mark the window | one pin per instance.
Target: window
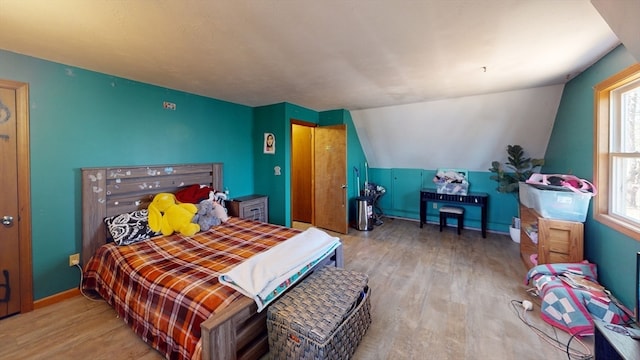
(617, 151)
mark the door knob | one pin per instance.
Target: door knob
(7, 220)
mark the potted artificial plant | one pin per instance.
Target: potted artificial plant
(509, 175)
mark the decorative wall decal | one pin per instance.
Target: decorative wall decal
(95, 177)
(5, 113)
(114, 174)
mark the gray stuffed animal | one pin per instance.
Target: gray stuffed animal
(206, 217)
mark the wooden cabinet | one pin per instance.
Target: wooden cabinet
(252, 207)
(554, 241)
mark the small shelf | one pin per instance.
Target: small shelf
(553, 241)
(532, 232)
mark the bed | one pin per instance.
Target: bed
(234, 329)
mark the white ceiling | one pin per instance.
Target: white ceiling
(328, 54)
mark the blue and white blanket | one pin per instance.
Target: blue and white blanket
(568, 308)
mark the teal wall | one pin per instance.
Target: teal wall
(80, 118)
(269, 119)
(570, 150)
(277, 119)
(402, 198)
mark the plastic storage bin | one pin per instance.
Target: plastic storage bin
(525, 194)
(559, 205)
(451, 181)
(452, 188)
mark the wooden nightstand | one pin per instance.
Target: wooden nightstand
(554, 241)
(252, 207)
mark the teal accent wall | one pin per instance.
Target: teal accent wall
(277, 119)
(570, 150)
(402, 197)
(270, 119)
(80, 118)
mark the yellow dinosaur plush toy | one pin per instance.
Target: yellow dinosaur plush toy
(166, 215)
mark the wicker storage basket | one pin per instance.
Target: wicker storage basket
(324, 317)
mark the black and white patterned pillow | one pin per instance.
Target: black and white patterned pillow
(129, 228)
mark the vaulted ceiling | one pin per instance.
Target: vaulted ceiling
(329, 54)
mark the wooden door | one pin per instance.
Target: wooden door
(330, 178)
(15, 226)
(302, 173)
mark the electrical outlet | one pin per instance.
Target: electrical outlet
(74, 259)
(435, 206)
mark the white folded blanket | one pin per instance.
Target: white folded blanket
(261, 274)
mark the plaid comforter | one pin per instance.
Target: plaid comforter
(165, 287)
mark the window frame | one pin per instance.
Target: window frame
(602, 158)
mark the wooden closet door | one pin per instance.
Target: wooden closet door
(15, 226)
(330, 178)
(302, 173)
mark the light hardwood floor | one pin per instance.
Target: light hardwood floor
(434, 296)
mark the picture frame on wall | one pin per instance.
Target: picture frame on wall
(269, 143)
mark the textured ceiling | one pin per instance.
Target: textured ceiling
(322, 55)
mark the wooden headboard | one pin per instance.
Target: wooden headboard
(116, 190)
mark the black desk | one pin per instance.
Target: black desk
(475, 199)
(613, 346)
